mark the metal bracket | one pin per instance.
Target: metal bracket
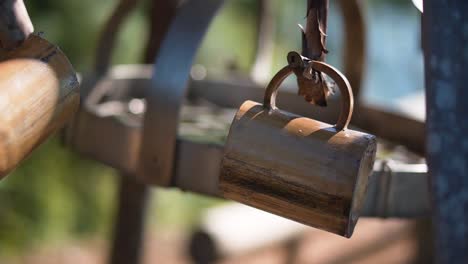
(398, 190)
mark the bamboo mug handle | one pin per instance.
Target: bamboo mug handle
(347, 99)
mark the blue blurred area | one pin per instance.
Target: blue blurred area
(395, 60)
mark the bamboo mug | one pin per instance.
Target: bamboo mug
(299, 168)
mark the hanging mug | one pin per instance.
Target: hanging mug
(296, 167)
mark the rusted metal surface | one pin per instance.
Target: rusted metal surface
(445, 38)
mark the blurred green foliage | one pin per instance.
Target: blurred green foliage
(56, 194)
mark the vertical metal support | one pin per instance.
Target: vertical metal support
(354, 25)
(160, 17)
(134, 196)
(445, 36)
(168, 89)
(108, 36)
(129, 226)
(265, 42)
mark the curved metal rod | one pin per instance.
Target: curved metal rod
(355, 42)
(269, 100)
(168, 89)
(108, 36)
(347, 100)
(265, 46)
(104, 51)
(160, 17)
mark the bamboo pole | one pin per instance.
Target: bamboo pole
(38, 94)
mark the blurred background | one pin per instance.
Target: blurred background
(59, 208)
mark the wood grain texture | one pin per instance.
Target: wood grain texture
(297, 167)
(311, 172)
(38, 94)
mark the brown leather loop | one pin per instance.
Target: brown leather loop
(347, 99)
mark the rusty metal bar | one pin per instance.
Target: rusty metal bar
(108, 36)
(355, 44)
(132, 196)
(129, 223)
(160, 16)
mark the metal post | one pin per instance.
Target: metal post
(445, 36)
(133, 195)
(130, 219)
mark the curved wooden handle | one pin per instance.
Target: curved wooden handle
(38, 94)
(347, 99)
